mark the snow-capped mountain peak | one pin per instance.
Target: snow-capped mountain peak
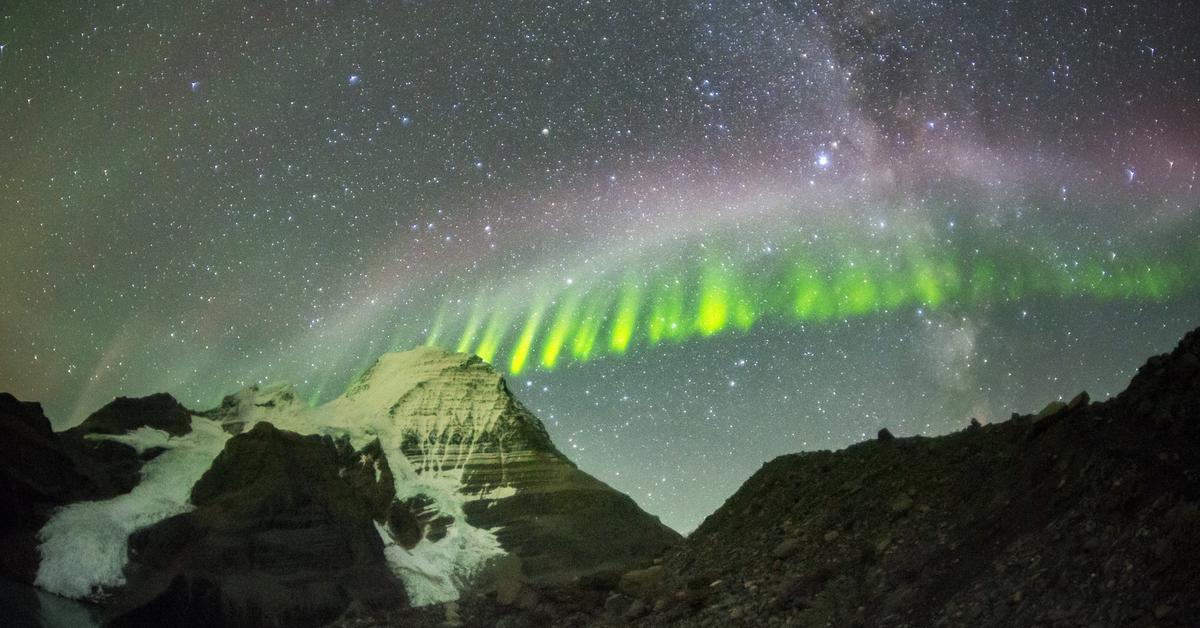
(427, 449)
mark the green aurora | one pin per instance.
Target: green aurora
(718, 293)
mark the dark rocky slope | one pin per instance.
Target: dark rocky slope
(1087, 514)
(36, 476)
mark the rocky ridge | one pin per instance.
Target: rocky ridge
(1084, 515)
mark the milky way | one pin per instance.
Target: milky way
(694, 235)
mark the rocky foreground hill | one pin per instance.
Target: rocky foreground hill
(1085, 514)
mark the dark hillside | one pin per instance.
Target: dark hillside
(1085, 514)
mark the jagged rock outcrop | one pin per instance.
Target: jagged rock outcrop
(42, 473)
(159, 411)
(41, 470)
(112, 467)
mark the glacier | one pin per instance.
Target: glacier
(84, 546)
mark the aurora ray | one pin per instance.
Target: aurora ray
(728, 296)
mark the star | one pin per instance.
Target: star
(860, 205)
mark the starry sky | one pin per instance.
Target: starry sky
(695, 235)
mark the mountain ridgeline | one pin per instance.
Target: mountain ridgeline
(427, 495)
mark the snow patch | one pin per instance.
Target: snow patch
(435, 571)
(85, 545)
(498, 492)
(141, 439)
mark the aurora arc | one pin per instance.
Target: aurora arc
(719, 293)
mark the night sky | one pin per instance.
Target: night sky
(697, 235)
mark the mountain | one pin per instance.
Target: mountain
(424, 479)
(1084, 514)
(426, 495)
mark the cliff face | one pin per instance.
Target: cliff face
(425, 479)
